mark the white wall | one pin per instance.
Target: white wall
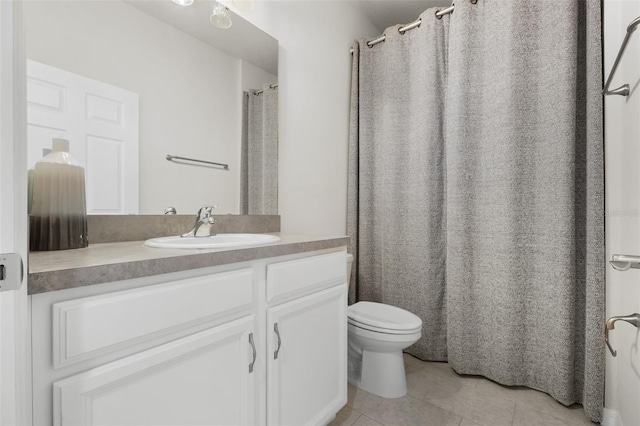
(254, 77)
(190, 99)
(622, 151)
(314, 67)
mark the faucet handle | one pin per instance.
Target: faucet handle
(205, 214)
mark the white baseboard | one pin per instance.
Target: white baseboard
(610, 418)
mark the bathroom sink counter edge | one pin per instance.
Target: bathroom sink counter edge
(108, 262)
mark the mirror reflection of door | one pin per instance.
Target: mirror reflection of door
(189, 77)
(101, 123)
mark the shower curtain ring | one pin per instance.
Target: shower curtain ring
(474, 1)
(438, 16)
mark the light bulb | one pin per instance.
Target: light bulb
(220, 17)
(183, 2)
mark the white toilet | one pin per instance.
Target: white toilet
(377, 335)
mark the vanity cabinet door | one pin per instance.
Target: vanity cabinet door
(201, 379)
(306, 358)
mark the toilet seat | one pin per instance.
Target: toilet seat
(382, 318)
(384, 339)
(382, 330)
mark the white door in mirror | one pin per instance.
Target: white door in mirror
(214, 241)
(101, 122)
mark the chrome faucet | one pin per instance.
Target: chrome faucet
(204, 217)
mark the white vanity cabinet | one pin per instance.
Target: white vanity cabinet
(306, 359)
(306, 362)
(197, 348)
(200, 379)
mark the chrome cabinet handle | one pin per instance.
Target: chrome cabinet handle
(275, 328)
(253, 348)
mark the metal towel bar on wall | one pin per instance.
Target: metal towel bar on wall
(624, 262)
(624, 89)
(633, 319)
(175, 157)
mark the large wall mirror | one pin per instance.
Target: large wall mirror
(129, 83)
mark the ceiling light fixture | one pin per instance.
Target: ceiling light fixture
(183, 2)
(244, 5)
(220, 16)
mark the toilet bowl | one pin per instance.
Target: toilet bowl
(377, 335)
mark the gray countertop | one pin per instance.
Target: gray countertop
(108, 262)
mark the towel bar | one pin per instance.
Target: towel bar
(624, 89)
(624, 262)
(633, 319)
(175, 157)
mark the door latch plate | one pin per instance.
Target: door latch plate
(11, 271)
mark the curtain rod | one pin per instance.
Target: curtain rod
(439, 14)
(271, 86)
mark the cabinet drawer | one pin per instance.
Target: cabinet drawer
(88, 327)
(303, 276)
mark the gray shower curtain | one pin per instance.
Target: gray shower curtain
(259, 153)
(520, 291)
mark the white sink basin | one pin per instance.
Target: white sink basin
(214, 241)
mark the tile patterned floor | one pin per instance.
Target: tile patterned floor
(439, 397)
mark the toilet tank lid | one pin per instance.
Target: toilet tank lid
(383, 316)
